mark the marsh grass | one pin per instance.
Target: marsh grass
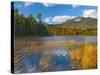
(84, 57)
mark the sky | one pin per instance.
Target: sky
(55, 13)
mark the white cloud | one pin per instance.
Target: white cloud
(61, 19)
(27, 4)
(75, 6)
(48, 19)
(58, 19)
(90, 13)
(48, 4)
(19, 6)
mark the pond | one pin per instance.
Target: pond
(43, 54)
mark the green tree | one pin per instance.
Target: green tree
(39, 17)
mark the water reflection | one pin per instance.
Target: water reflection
(42, 57)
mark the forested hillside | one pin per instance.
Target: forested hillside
(33, 26)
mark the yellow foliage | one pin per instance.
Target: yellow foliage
(84, 57)
(89, 58)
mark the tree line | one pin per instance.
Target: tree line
(24, 26)
(33, 26)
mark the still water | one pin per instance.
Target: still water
(40, 54)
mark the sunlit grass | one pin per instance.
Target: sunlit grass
(84, 57)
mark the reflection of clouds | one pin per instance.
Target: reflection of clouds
(60, 51)
(60, 62)
(64, 38)
(56, 51)
(70, 38)
(90, 39)
(75, 38)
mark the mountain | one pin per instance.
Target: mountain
(81, 22)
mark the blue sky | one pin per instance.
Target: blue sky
(55, 13)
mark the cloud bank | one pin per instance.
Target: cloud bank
(90, 13)
(58, 19)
